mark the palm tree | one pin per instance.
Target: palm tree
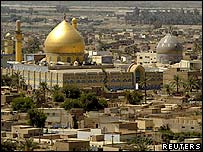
(191, 83)
(55, 89)
(44, 89)
(38, 98)
(140, 143)
(17, 80)
(28, 144)
(168, 89)
(176, 82)
(143, 84)
(167, 134)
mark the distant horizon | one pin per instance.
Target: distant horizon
(164, 4)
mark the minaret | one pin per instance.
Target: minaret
(18, 46)
(74, 23)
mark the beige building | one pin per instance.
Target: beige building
(185, 124)
(81, 77)
(179, 124)
(120, 127)
(184, 74)
(145, 124)
(71, 144)
(146, 58)
(24, 131)
(57, 117)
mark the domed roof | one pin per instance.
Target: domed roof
(64, 39)
(74, 20)
(169, 45)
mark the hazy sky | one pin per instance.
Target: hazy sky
(112, 3)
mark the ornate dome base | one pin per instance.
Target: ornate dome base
(65, 57)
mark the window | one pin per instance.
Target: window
(183, 126)
(192, 127)
(68, 59)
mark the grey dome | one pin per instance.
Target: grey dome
(169, 45)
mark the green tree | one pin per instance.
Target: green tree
(134, 97)
(176, 82)
(103, 103)
(36, 118)
(38, 98)
(71, 91)
(166, 133)
(190, 84)
(8, 145)
(17, 80)
(44, 89)
(168, 88)
(22, 104)
(140, 143)
(143, 84)
(72, 103)
(28, 144)
(58, 97)
(55, 89)
(90, 102)
(6, 80)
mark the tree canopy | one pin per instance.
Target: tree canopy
(89, 102)
(134, 97)
(22, 104)
(71, 91)
(36, 118)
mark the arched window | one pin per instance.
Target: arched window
(89, 81)
(137, 74)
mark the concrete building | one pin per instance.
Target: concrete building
(71, 144)
(146, 58)
(24, 131)
(168, 75)
(120, 127)
(191, 64)
(145, 124)
(57, 117)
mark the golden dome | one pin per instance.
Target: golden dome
(64, 39)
